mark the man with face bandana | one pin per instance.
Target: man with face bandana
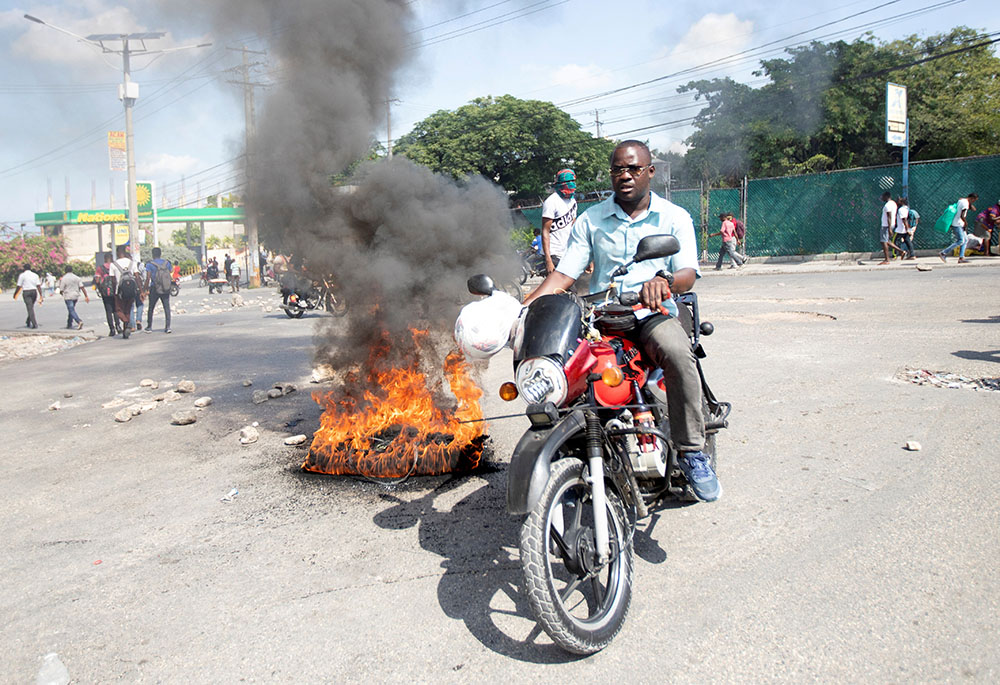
(558, 215)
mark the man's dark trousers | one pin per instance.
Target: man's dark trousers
(165, 299)
(30, 296)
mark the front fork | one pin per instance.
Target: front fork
(595, 459)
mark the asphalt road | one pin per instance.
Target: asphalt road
(835, 555)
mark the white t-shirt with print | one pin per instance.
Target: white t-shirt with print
(563, 214)
(903, 213)
(889, 208)
(962, 204)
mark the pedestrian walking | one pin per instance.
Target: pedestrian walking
(140, 299)
(71, 287)
(728, 233)
(558, 215)
(228, 264)
(888, 222)
(902, 228)
(741, 237)
(234, 277)
(29, 284)
(959, 228)
(123, 271)
(104, 282)
(159, 277)
(49, 284)
(989, 221)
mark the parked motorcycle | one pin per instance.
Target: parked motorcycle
(598, 453)
(300, 294)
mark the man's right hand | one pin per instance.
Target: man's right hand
(549, 265)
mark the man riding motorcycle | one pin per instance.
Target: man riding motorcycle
(607, 234)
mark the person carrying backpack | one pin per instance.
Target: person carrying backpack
(159, 277)
(104, 284)
(123, 271)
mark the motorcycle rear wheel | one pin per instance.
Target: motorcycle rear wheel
(297, 314)
(175, 290)
(580, 606)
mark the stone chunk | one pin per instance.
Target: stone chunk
(912, 446)
(925, 267)
(134, 409)
(123, 415)
(168, 396)
(183, 418)
(186, 386)
(285, 388)
(259, 396)
(147, 383)
(247, 383)
(295, 440)
(248, 435)
(273, 393)
(55, 406)
(203, 401)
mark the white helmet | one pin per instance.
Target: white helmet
(483, 327)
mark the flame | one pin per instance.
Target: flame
(397, 427)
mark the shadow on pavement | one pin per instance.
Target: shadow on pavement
(989, 356)
(477, 540)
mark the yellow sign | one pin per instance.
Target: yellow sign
(116, 150)
(121, 234)
(100, 217)
(144, 199)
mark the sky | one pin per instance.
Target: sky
(59, 96)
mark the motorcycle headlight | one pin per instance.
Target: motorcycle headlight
(541, 380)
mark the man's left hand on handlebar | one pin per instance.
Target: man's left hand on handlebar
(655, 292)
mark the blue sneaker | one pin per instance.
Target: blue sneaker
(700, 476)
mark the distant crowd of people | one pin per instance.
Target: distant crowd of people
(899, 224)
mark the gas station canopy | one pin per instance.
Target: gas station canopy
(163, 216)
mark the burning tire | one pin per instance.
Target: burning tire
(580, 604)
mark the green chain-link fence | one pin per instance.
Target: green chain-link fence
(839, 211)
(836, 211)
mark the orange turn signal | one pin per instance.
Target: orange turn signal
(612, 376)
(508, 391)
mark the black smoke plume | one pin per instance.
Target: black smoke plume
(399, 240)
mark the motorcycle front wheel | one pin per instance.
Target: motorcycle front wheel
(336, 304)
(580, 603)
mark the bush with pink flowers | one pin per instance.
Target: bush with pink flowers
(38, 252)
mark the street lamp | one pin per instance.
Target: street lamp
(128, 93)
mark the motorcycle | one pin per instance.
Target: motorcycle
(300, 295)
(532, 264)
(598, 453)
(175, 288)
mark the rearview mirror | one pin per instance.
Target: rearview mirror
(656, 246)
(481, 284)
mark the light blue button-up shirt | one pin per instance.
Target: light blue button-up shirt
(606, 235)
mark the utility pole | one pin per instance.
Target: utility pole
(388, 123)
(128, 93)
(597, 120)
(249, 130)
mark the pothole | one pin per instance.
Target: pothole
(944, 379)
(784, 316)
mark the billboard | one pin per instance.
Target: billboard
(116, 150)
(895, 114)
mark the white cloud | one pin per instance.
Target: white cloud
(45, 44)
(566, 81)
(166, 165)
(712, 37)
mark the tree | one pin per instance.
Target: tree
(40, 253)
(824, 107)
(518, 144)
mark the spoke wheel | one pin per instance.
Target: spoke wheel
(579, 602)
(336, 304)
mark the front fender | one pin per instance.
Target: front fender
(529, 465)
